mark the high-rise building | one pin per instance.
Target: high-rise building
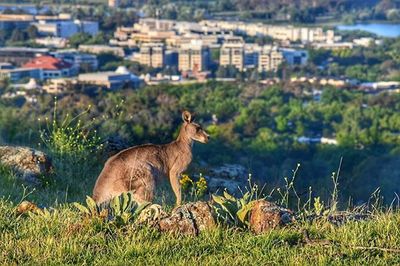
(194, 57)
(152, 54)
(269, 59)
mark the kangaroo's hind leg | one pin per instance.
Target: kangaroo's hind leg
(141, 183)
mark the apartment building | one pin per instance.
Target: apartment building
(194, 57)
(232, 54)
(269, 59)
(152, 54)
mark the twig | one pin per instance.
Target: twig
(394, 250)
(327, 243)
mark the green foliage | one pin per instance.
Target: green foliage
(69, 238)
(195, 190)
(233, 210)
(70, 137)
(121, 210)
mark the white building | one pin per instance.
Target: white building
(111, 79)
(100, 49)
(66, 29)
(52, 42)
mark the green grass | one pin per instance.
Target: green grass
(67, 238)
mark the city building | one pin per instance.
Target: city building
(294, 57)
(78, 60)
(279, 32)
(52, 42)
(156, 24)
(17, 74)
(171, 58)
(152, 54)
(5, 66)
(31, 85)
(58, 86)
(111, 79)
(102, 49)
(20, 55)
(66, 28)
(14, 21)
(232, 54)
(51, 67)
(251, 55)
(334, 46)
(269, 59)
(194, 57)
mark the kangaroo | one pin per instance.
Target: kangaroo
(139, 168)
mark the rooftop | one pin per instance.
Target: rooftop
(47, 62)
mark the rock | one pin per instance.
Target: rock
(27, 206)
(29, 164)
(220, 184)
(230, 171)
(340, 218)
(151, 215)
(265, 216)
(189, 219)
(229, 176)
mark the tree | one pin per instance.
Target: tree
(78, 39)
(18, 35)
(32, 32)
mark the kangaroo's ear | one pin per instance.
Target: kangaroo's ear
(187, 116)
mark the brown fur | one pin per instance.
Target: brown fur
(138, 169)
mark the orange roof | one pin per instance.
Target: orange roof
(47, 62)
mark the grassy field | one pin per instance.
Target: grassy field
(65, 237)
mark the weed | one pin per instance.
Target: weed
(69, 137)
